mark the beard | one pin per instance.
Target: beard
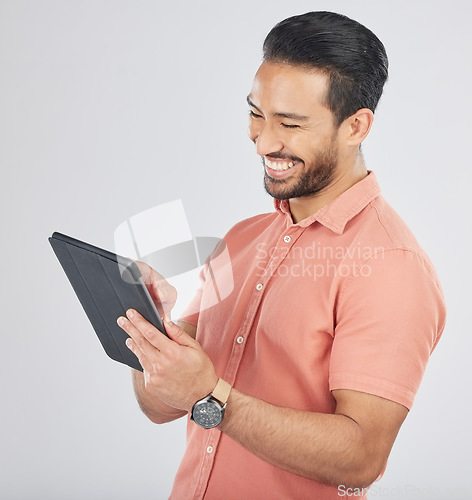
(315, 178)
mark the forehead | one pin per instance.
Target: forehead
(281, 87)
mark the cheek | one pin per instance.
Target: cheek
(300, 148)
(253, 130)
(307, 147)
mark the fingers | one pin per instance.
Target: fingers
(149, 275)
(177, 334)
(162, 290)
(146, 365)
(141, 333)
(145, 270)
(140, 330)
(149, 339)
(165, 291)
(176, 369)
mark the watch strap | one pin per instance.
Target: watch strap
(221, 391)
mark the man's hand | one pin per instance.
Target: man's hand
(176, 369)
(163, 294)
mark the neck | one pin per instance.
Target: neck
(304, 207)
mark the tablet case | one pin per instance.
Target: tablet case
(106, 285)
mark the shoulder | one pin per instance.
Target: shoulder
(388, 233)
(384, 248)
(394, 227)
(254, 225)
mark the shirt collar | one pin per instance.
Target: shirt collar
(336, 214)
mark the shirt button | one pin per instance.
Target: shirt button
(240, 340)
(287, 239)
(210, 449)
(259, 286)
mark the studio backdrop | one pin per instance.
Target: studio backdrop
(112, 109)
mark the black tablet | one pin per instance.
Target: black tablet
(107, 285)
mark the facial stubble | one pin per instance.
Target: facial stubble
(319, 175)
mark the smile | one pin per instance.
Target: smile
(278, 165)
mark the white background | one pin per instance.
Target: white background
(108, 108)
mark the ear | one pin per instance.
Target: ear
(358, 126)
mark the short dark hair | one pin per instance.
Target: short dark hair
(351, 55)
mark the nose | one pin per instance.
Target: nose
(264, 137)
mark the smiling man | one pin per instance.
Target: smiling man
(301, 149)
(296, 385)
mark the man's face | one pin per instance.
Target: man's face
(293, 130)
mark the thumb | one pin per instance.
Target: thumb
(177, 334)
(166, 293)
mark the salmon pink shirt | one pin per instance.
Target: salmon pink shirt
(344, 299)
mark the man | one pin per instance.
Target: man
(299, 381)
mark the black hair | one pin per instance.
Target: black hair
(351, 55)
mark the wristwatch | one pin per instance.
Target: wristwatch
(209, 411)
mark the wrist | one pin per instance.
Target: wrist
(221, 391)
(209, 411)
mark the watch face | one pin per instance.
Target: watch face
(207, 413)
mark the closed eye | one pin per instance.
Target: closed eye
(286, 125)
(254, 115)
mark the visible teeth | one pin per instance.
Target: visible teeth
(280, 166)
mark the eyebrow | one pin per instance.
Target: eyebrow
(290, 116)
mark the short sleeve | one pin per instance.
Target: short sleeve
(389, 317)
